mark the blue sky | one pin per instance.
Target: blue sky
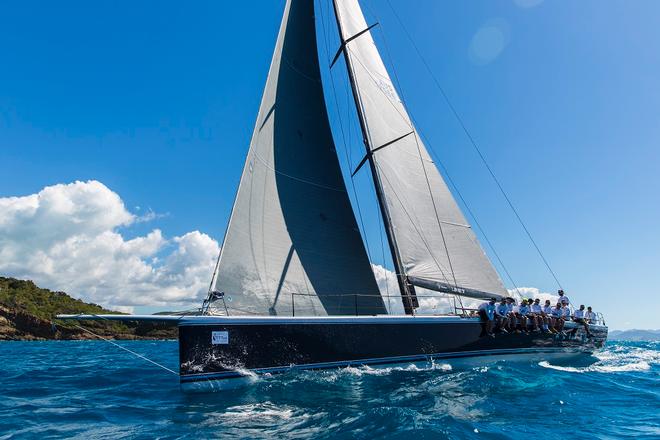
(157, 101)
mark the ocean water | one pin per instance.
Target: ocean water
(91, 389)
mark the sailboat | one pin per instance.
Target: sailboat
(293, 287)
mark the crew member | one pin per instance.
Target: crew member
(522, 315)
(557, 315)
(487, 315)
(590, 316)
(538, 314)
(578, 317)
(547, 316)
(502, 315)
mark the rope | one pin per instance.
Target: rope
(474, 144)
(125, 349)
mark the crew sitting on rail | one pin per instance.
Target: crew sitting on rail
(532, 319)
(549, 324)
(578, 317)
(502, 316)
(558, 317)
(538, 313)
(522, 315)
(513, 322)
(590, 316)
(565, 312)
(487, 315)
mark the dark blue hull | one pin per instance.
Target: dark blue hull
(233, 348)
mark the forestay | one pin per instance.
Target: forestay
(437, 247)
(292, 235)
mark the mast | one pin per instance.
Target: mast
(407, 290)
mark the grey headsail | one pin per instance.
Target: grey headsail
(437, 248)
(292, 242)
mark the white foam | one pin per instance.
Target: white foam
(615, 359)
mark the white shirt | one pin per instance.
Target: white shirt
(591, 316)
(565, 311)
(579, 313)
(557, 312)
(547, 310)
(564, 299)
(536, 308)
(489, 309)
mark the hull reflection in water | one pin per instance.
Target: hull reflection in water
(221, 353)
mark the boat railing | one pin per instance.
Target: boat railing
(600, 319)
(304, 304)
(354, 303)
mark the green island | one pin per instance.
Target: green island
(27, 313)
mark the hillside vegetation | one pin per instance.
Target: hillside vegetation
(27, 312)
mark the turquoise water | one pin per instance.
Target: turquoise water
(90, 389)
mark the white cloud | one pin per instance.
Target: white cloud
(533, 292)
(67, 237)
(430, 302)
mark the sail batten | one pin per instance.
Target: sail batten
(293, 245)
(432, 237)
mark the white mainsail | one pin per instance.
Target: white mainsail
(437, 247)
(292, 239)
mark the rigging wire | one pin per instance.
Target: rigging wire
(125, 349)
(436, 158)
(445, 171)
(419, 152)
(474, 143)
(343, 135)
(412, 123)
(350, 162)
(381, 202)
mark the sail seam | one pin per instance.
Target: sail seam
(424, 241)
(299, 179)
(435, 211)
(300, 72)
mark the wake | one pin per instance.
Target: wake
(617, 359)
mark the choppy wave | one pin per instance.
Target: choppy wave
(91, 390)
(616, 359)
